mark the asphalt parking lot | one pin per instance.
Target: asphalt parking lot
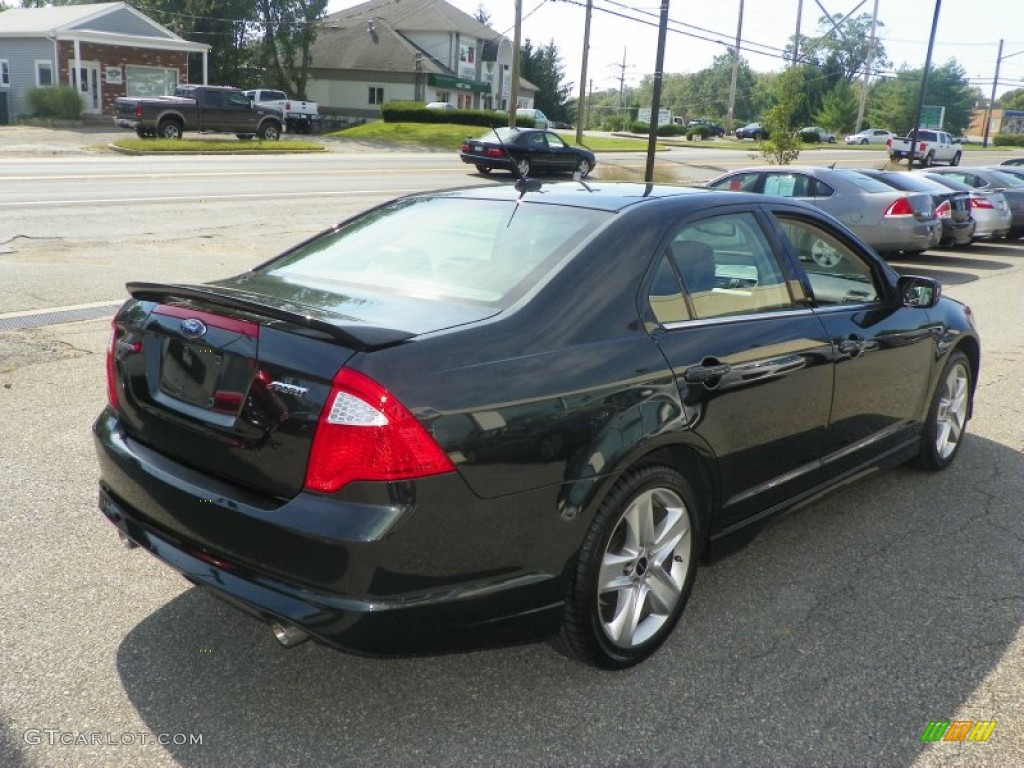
(833, 639)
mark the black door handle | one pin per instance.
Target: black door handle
(699, 374)
(852, 346)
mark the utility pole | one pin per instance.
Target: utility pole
(796, 37)
(991, 101)
(867, 70)
(659, 75)
(735, 71)
(583, 75)
(924, 83)
(622, 88)
(516, 43)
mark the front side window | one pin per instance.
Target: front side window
(728, 267)
(837, 274)
(44, 73)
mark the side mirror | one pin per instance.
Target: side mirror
(920, 292)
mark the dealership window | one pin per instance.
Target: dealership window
(141, 82)
(444, 96)
(376, 95)
(5, 73)
(44, 73)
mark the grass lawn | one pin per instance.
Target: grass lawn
(451, 135)
(217, 145)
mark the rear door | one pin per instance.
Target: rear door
(561, 157)
(753, 366)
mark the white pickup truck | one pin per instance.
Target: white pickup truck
(299, 116)
(931, 147)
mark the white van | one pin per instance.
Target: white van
(540, 120)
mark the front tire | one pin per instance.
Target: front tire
(863, 142)
(947, 417)
(635, 570)
(269, 132)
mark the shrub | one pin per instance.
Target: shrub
(416, 112)
(810, 137)
(671, 129)
(640, 127)
(59, 101)
(700, 131)
(1008, 140)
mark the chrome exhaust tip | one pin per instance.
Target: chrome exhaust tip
(126, 542)
(288, 635)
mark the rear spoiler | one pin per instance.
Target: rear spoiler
(362, 338)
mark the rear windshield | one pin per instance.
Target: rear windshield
(1006, 179)
(481, 251)
(909, 183)
(861, 181)
(946, 181)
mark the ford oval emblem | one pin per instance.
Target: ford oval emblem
(193, 328)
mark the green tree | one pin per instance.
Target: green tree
(841, 51)
(707, 91)
(894, 101)
(289, 31)
(838, 110)
(783, 144)
(543, 67)
(1011, 99)
(482, 15)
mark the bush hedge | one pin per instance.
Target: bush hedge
(699, 131)
(671, 129)
(1008, 140)
(60, 102)
(416, 112)
(810, 137)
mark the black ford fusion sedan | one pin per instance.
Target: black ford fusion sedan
(526, 151)
(484, 415)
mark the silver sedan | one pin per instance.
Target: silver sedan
(887, 219)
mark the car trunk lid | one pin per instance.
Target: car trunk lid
(233, 384)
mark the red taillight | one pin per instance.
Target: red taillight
(944, 210)
(981, 202)
(287, 106)
(888, 142)
(113, 397)
(365, 433)
(464, 148)
(900, 207)
(494, 152)
(138, 110)
(922, 148)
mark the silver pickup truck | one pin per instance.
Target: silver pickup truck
(931, 147)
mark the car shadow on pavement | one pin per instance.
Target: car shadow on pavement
(834, 638)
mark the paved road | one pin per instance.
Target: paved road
(833, 639)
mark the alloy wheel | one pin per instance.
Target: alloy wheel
(951, 416)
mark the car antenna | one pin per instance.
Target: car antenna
(524, 184)
(833, 166)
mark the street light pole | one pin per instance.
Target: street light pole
(924, 84)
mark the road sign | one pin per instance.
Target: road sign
(932, 117)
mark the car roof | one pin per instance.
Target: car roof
(606, 196)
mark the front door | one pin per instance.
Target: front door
(90, 87)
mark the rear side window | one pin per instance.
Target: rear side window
(446, 248)
(738, 182)
(727, 267)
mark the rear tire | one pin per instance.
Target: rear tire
(928, 160)
(863, 142)
(524, 166)
(955, 160)
(635, 570)
(946, 424)
(485, 169)
(583, 168)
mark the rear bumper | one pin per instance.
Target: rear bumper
(958, 232)
(413, 575)
(903, 234)
(124, 122)
(505, 163)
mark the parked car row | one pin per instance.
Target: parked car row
(897, 212)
